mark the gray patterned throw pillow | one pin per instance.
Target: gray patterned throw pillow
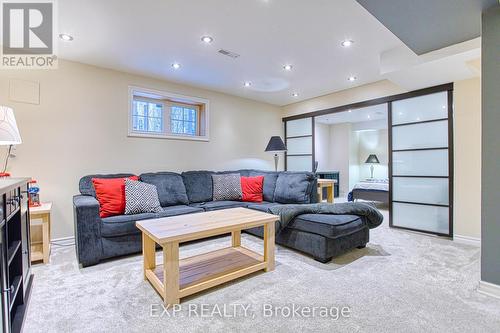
(141, 198)
(227, 186)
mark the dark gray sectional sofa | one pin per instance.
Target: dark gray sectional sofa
(319, 235)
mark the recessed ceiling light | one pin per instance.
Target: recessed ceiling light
(207, 39)
(287, 67)
(352, 78)
(444, 106)
(66, 37)
(295, 94)
(349, 111)
(247, 84)
(369, 117)
(347, 43)
(176, 65)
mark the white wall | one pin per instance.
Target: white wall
(373, 142)
(80, 127)
(340, 154)
(354, 160)
(322, 146)
(344, 97)
(336, 149)
(467, 185)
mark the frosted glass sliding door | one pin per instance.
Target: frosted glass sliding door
(421, 164)
(433, 219)
(299, 144)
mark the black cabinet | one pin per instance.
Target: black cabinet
(15, 270)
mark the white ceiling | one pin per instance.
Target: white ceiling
(366, 114)
(147, 36)
(449, 64)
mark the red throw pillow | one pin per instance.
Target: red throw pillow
(252, 188)
(110, 193)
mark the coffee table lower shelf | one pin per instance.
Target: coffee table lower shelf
(210, 269)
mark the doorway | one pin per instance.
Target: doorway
(419, 169)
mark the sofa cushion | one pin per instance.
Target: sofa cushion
(198, 185)
(216, 205)
(226, 187)
(244, 172)
(251, 188)
(87, 187)
(110, 193)
(331, 226)
(270, 178)
(122, 225)
(294, 187)
(179, 210)
(170, 187)
(227, 172)
(263, 206)
(141, 197)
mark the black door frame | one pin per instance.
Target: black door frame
(450, 176)
(313, 140)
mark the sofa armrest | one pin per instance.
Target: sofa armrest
(314, 191)
(87, 230)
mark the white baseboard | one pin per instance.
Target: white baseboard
(489, 289)
(467, 240)
(63, 241)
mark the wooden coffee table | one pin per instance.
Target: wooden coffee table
(177, 278)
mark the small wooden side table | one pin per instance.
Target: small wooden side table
(40, 232)
(328, 184)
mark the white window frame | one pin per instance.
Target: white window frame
(168, 98)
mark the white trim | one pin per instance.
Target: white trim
(64, 240)
(171, 96)
(172, 137)
(467, 240)
(489, 289)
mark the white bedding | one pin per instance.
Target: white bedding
(376, 184)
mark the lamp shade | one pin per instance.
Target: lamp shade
(372, 159)
(275, 144)
(9, 133)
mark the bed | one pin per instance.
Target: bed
(371, 190)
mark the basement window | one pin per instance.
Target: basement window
(159, 114)
(147, 116)
(184, 119)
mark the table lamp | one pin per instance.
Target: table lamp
(372, 159)
(275, 145)
(9, 134)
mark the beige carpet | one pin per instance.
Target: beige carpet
(402, 282)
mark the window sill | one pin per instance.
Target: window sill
(169, 137)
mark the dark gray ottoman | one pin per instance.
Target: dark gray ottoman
(323, 236)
